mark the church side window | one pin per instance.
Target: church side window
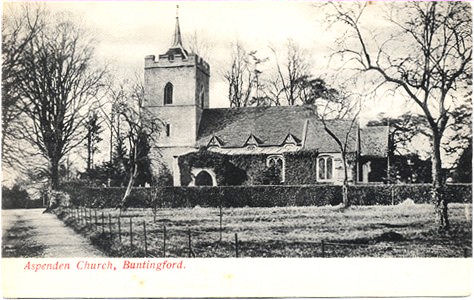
(168, 130)
(277, 164)
(169, 93)
(325, 168)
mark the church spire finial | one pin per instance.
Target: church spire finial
(177, 42)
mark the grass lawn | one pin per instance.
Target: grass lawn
(358, 231)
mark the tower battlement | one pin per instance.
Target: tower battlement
(164, 61)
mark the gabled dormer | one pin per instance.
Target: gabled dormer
(215, 142)
(252, 142)
(290, 139)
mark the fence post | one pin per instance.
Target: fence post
(103, 223)
(131, 233)
(322, 249)
(110, 225)
(164, 240)
(76, 215)
(236, 246)
(119, 230)
(95, 213)
(220, 221)
(144, 233)
(191, 253)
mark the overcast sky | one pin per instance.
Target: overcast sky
(128, 31)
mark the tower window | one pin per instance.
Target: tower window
(168, 129)
(201, 97)
(169, 93)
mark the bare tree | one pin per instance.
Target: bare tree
(273, 89)
(259, 97)
(199, 45)
(58, 83)
(20, 27)
(459, 129)
(93, 125)
(134, 124)
(117, 93)
(291, 73)
(246, 87)
(333, 107)
(427, 57)
(239, 77)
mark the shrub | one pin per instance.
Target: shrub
(58, 198)
(17, 197)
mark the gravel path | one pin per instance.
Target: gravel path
(30, 233)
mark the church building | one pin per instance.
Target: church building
(200, 145)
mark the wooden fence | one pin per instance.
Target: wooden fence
(129, 231)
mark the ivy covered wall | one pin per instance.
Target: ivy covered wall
(300, 167)
(230, 169)
(251, 169)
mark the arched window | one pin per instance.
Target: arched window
(277, 164)
(325, 168)
(169, 93)
(203, 178)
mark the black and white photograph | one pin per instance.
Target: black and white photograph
(158, 133)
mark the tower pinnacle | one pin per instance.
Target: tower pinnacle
(177, 42)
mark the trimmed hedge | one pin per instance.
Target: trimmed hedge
(420, 193)
(261, 196)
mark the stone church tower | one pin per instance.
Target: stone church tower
(176, 91)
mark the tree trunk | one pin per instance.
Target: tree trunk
(441, 205)
(131, 180)
(345, 197)
(55, 174)
(89, 154)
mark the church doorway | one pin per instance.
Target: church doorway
(203, 178)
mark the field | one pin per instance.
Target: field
(358, 231)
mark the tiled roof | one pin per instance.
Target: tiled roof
(318, 138)
(374, 141)
(234, 125)
(271, 125)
